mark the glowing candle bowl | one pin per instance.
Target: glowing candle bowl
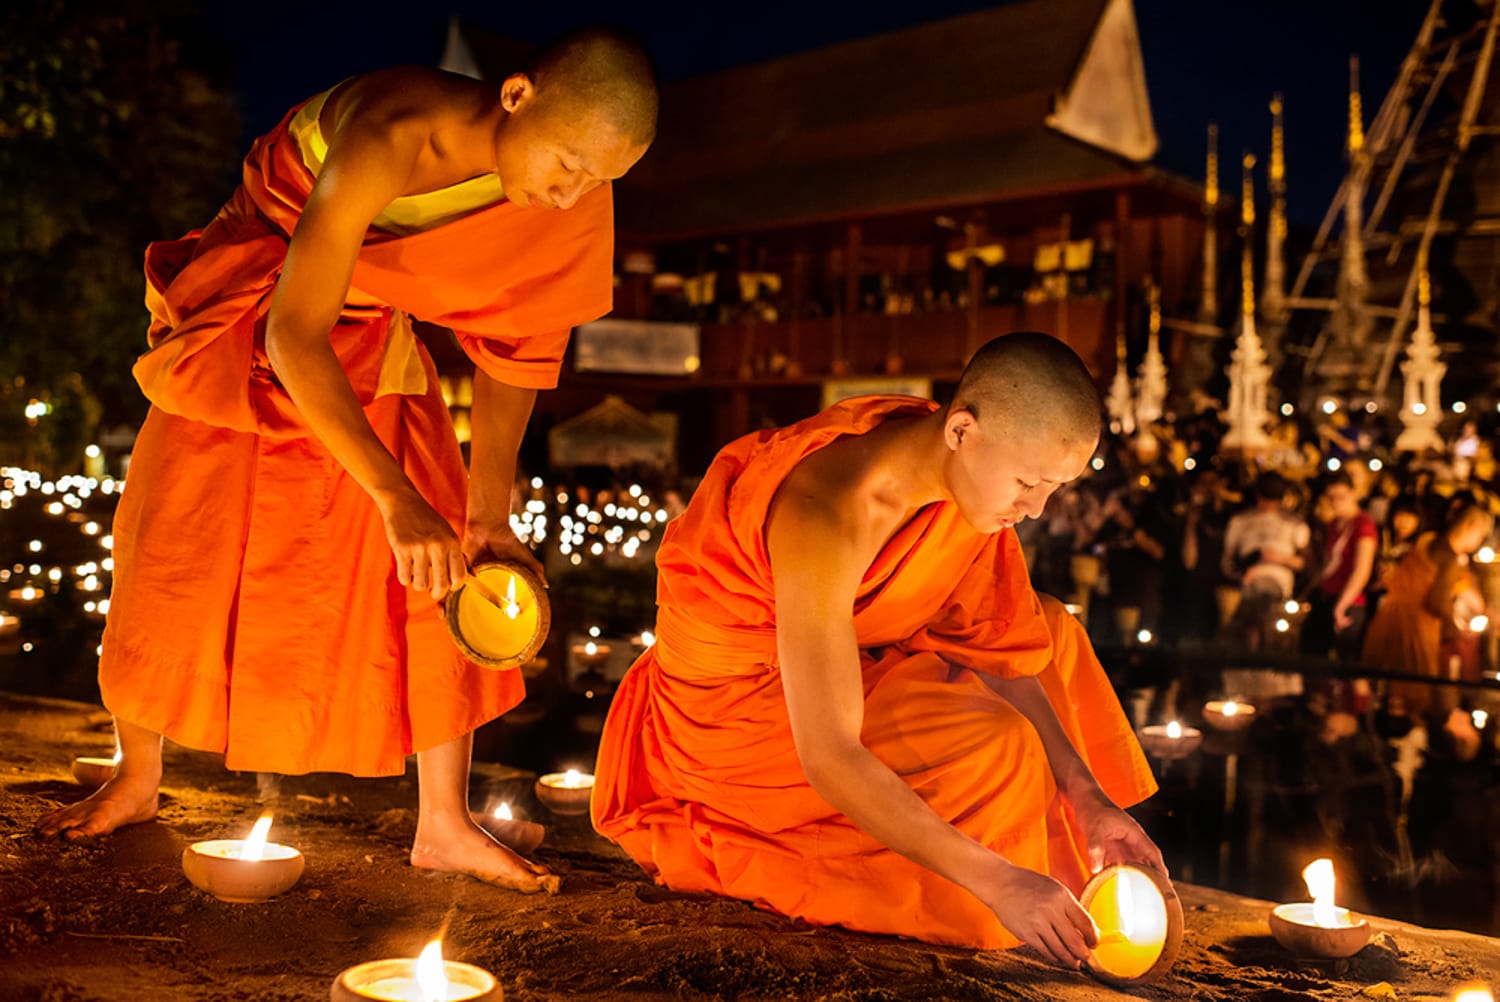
(500, 615)
(565, 792)
(592, 654)
(94, 771)
(1319, 928)
(515, 833)
(243, 870)
(1228, 714)
(419, 979)
(1140, 924)
(1170, 740)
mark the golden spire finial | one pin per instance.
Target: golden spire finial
(1211, 184)
(1247, 216)
(1247, 192)
(1424, 282)
(1277, 168)
(1153, 295)
(1356, 115)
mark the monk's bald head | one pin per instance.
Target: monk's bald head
(601, 71)
(1031, 383)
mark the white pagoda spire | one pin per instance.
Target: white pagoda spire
(1249, 375)
(1208, 300)
(1118, 403)
(1423, 371)
(1151, 385)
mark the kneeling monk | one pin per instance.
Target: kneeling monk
(857, 712)
(297, 500)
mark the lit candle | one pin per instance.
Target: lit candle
(428, 978)
(243, 870)
(93, 771)
(1140, 924)
(1320, 928)
(1228, 714)
(26, 595)
(591, 654)
(565, 792)
(500, 616)
(1171, 741)
(1473, 992)
(519, 835)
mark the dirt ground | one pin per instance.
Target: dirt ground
(117, 920)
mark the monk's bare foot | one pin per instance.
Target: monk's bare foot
(123, 800)
(461, 846)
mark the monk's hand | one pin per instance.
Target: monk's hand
(1112, 836)
(1040, 912)
(487, 540)
(427, 551)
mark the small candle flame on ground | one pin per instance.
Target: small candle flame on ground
(1474, 993)
(255, 846)
(1174, 730)
(572, 779)
(430, 976)
(591, 648)
(1480, 718)
(503, 812)
(1230, 708)
(1320, 884)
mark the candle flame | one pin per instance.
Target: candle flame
(255, 846)
(1124, 902)
(1230, 708)
(1174, 730)
(430, 975)
(503, 812)
(1320, 884)
(1478, 624)
(511, 608)
(591, 648)
(1473, 993)
(573, 778)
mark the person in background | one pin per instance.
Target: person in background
(1263, 551)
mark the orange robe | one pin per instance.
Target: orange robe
(1404, 636)
(698, 778)
(256, 609)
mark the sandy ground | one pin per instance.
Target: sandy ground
(117, 920)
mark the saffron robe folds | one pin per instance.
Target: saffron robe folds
(256, 609)
(698, 778)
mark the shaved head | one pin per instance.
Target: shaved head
(603, 71)
(1031, 383)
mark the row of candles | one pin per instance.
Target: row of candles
(583, 530)
(254, 869)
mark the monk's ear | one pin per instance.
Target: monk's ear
(516, 91)
(959, 425)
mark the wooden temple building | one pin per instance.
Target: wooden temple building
(863, 216)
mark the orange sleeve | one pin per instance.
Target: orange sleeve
(532, 363)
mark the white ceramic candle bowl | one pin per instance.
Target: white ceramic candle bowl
(396, 981)
(1295, 928)
(216, 868)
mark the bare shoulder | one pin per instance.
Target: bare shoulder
(830, 497)
(402, 97)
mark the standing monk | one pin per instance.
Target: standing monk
(857, 712)
(297, 502)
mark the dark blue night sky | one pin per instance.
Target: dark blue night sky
(1205, 59)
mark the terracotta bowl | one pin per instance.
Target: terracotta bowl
(1157, 938)
(563, 799)
(1215, 717)
(481, 983)
(210, 867)
(92, 771)
(1294, 928)
(1156, 742)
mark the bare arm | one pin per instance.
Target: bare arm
(820, 668)
(1359, 579)
(500, 415)
(368, 164)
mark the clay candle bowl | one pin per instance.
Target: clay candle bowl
(591, 655)
(511, 831)
(1170, 741)
(243, 870)
(565, 792)
(1319, 928)
(1228, 714)
(422, 979)
(500, 615)
(93, 771)
(1140, 924)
